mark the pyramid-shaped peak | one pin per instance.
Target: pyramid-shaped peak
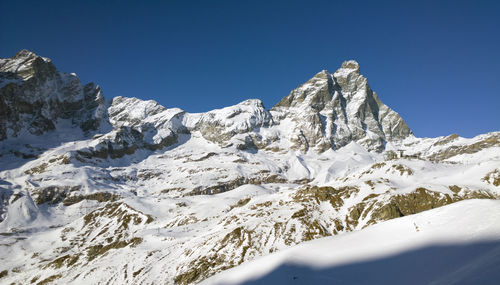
(350, 64)
(348, 67)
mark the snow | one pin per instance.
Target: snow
(297, 169)
(344, 71)
(455, 244)
(239, 118)
(188, 228)
(24, 210)
(262, 207)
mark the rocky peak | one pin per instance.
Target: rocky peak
(34, 96)
(157, 125)
(331, 110)
(132, 111)
(348, 67)
(26, 65)
(349, 78)
(23, 54)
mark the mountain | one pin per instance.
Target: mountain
(331, 110)
(128, 191)
(327, 112)
(34, 95)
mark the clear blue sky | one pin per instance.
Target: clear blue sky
(437, 63)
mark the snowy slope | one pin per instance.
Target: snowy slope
(130, 192)
(455, 244)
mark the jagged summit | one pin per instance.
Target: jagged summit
(350, 64)
(24, 53)
(332, 110)
(34, 96)
(25, 65)
(348, 67)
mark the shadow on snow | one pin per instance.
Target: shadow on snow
(476, 263)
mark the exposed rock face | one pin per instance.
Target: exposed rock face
(34, 96)
(490, 140)
(140, 124)
(136, 125)
(493, 177)
(331, 110)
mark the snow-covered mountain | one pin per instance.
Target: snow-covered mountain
(127, 191)
(332, 110)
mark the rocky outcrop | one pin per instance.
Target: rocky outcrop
(490, 140)
(224, 186)
(123, 141)
(34, 96)
(374, 208)
(105, 229)
(492, 177)
(331, 110)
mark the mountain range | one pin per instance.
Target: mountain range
(126, 191)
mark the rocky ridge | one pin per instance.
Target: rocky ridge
(326, 112)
